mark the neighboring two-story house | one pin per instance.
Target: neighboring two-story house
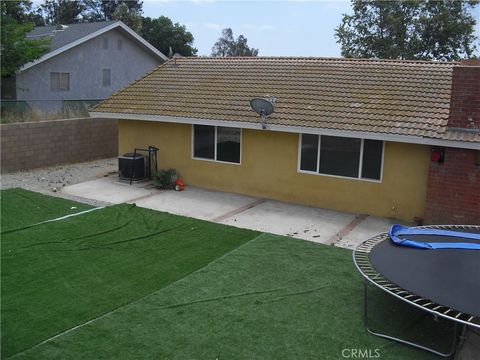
(86, 63)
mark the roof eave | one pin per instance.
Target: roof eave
(77, 42)
(293, 129)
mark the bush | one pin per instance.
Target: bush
(165, 178)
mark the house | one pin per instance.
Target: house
(86, 62)
(391, 138)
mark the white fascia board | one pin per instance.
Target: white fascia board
(293, 129)
(91, 36)
(143, 41)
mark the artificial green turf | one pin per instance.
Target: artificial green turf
(165, 286)
(22, 208)
(58, 275)
(272, 298)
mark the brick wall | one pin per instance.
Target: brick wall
(453, 194)
(465, 100)
(37, 144)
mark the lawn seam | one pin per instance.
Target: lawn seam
(133, 302)
(52, 220)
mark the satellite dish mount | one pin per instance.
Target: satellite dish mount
(264, 108)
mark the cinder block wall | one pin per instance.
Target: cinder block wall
(38, 144)
(453, 193)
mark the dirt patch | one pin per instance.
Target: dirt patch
(50, 180)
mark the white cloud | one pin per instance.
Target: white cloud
(254, 27)
(159, 1)
(202, 1)
(214, 26)
(167, 1)
(191, 25)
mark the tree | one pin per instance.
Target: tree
(21, 11)
(228, 46)
(129, 16)
(164, 34)
(103, 10)
(410, 29)
(62, 11)
(16, 49)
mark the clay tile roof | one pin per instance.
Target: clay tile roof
(381, 96)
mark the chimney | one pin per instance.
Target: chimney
(465, 96)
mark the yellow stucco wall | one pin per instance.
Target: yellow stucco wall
(269, 170)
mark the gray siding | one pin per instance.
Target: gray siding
(85, 64)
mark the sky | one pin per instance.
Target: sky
(276, 28)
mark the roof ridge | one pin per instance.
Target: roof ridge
(80, 23)
(314, 58)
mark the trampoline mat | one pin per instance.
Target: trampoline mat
(448, 277)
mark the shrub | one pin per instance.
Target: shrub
(165, 178)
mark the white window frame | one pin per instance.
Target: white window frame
(215, 148)
(359, 174)
(60, 74)
(109, 78)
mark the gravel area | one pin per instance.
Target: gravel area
(50, 180)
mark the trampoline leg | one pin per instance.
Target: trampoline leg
(385, 336)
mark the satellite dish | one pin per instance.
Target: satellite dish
(262, 107)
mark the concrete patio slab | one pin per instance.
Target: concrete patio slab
(108, 190)
(298, 221)
(371, 226)
(197, 203)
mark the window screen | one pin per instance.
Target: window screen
(55, 81)
(105, 43)
(216, 143)
(204, 141)
(339, 156)
(228, 144)
(59, 81)
(372, 159)
(119, 44)
(64, 81)
(309, 152)
(107, 77)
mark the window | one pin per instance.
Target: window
(216, 143)
(228, 144)
(204, 142)
(340, 156)
(105, 43)
(107, 81)
(119, 44)
(309, 155)
(59, 81)
(372, 159)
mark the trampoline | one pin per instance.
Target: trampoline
(443, 282)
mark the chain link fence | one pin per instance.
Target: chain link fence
(13, 111)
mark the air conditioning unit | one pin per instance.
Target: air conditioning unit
(132, 166)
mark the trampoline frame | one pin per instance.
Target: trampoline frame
(361, 260)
